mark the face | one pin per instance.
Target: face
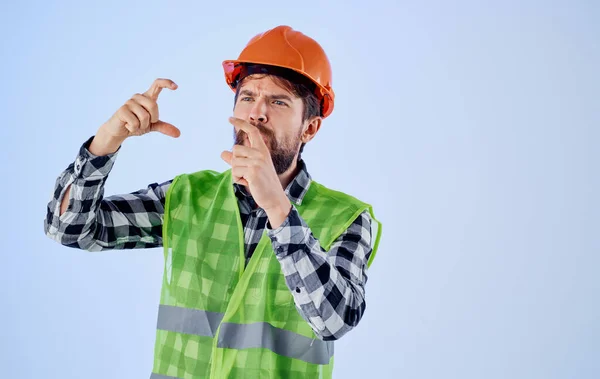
(277, 113)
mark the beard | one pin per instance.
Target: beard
(282, 153)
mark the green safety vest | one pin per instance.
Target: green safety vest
(219, 318)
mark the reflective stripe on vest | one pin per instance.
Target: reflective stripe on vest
(159, 376)
(244, 336)
(188, 321)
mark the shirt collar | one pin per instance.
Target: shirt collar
(295, 191)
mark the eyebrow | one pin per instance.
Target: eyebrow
(246, 92)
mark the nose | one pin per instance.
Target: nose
(259, 112)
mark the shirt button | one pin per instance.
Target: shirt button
(297, 290)
(77, 166)
(280, 249)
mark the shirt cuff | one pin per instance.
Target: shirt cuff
(88, 166)
(290, 233)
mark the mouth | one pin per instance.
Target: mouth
(243, 139)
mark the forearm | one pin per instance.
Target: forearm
(101, 145)
(79, 216)
(328, 286)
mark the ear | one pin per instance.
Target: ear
(312, 127)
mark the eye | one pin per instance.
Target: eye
(246, 98)
(278, 102)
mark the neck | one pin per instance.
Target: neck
(289, 175)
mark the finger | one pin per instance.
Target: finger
(239, 172)
(244, 162)
(131, 121)
(232, 160)
(245, 151)
(165, 128)
(227, 156)
(140, 112)
(241, 181)
(237, 175)
(256, 139)
(148, 104)
(158, 86)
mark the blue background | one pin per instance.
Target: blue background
(471, 126)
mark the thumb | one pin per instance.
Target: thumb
(165, 128)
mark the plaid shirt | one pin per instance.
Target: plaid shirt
(328, 286)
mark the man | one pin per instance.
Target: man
(264, 267)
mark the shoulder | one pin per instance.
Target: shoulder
(318, 191)
(202, 178)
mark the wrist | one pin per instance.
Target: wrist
(104, 143)
(279, 213)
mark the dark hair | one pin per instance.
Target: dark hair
(297, 85)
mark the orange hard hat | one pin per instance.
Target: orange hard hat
(289, 49)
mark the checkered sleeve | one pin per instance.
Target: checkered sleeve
(328, 286)
(92, 222)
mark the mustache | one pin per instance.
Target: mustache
(240, 134)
